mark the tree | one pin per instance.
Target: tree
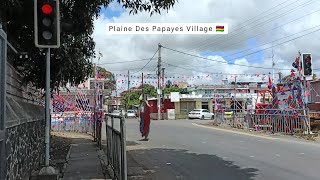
(172, 88)
(134, 96)
(110, 82)
(314, 76)
(73, 60)
(149, 90)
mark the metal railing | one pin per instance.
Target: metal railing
(116, 147)
(289, 121)
(284, 121)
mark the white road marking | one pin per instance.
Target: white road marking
(241, 141)
(252, 156)
(278, 155)
(235, 132)
(204, 142)
(243, 148)
(301, 153)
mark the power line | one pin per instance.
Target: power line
(281, 42)
(271, 41)
(217, 73)
(246, 21)
(245, 54)
(307, 3)
(128, 61)
(223, 62)
(257, 25)
(238, 42)
(129, 69)
(147, 62)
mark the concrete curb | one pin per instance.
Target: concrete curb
(106, 169)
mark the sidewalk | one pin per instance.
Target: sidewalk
(84, 163)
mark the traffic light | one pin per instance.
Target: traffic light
(47, 23)
(307, 64)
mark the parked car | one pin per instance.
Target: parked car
(131, 114)
(200, 114)
(116, 113)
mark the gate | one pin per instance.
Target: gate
(3, 62)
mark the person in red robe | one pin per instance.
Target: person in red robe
(145, 119)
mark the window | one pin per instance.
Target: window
(207, 92)
(205, 105)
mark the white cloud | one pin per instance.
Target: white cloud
(118, 48)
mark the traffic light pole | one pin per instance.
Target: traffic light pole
(47, 109)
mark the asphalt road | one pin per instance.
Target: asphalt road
(184, 150)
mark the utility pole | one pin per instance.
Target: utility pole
(128, 90)
(303, 85)
(159, 89)
(273, 64)
(163, 84)
(142, 87)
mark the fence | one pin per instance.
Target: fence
(3, 62)
(72, 122)
(288, 121)
(21, 115)
(116, 147)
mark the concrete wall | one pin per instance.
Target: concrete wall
(198, 104)
(177, 110)
(210, 106)
(24, 128)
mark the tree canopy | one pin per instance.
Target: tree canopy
(73, 60)
(150, 90)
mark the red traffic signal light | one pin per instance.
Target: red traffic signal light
(47, 23)
(46, 9)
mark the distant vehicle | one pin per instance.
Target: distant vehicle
(131, 114)
(200, 114)
(116, 113)
(228, 112)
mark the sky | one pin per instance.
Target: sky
(259, 32)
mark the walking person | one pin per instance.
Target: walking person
(145, 110)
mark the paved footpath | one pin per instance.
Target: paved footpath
(84, 163)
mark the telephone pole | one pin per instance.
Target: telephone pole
(142, 88)
(162, 88)
(128, 90)
(273, 64)
(159, 88)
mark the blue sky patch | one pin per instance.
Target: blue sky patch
(111, 13)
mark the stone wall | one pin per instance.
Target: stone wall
(25, 128)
